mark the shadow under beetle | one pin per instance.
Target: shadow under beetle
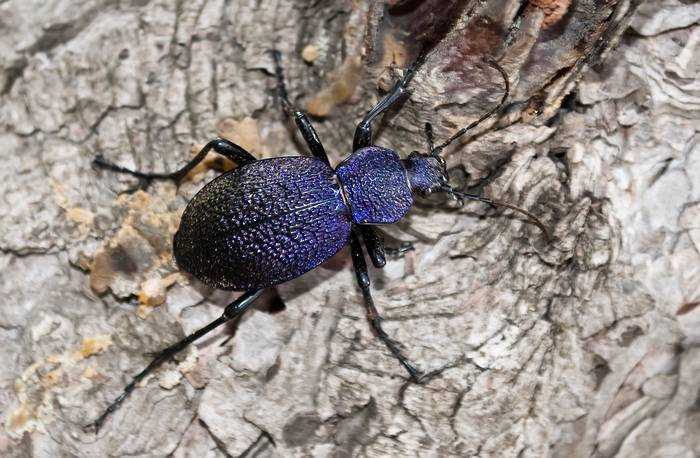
(269, 221)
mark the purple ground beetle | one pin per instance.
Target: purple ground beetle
(269, 221)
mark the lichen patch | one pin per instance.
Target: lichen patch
(341, 89)
(140, 250)
(93, 345)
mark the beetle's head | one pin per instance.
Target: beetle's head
(426, 173)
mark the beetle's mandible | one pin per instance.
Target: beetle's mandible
(269, 221)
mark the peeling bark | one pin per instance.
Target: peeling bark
(586, 346)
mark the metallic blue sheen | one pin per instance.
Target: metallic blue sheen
(263, 224)
(424, 173)
(375, 185)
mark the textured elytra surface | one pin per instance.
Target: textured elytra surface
(263, 224)
(588, 347)
(376, 186)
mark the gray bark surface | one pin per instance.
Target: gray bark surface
(585, 346)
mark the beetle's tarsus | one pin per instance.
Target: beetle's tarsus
(100, 162)
(92, 428)
(96, 425)
(418, 378)
(414, 374)
(400, 251)
(427, 376)
(281, 87)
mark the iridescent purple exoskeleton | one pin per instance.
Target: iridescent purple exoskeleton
(269, 221)
(273, 220)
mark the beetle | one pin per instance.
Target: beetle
(269, 221)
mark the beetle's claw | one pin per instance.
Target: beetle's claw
(94, 426)
(99, 161)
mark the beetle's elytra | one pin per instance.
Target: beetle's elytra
(267, 222)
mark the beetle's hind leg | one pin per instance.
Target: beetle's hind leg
(233, 310)
(358, 260)
(302, 121)
(224, 147)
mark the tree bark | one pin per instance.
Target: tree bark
(583, 346)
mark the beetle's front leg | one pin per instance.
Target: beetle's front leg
(358, 260)
(363, 131)
(399, 251)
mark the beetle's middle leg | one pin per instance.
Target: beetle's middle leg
(302, 121)
(399, 251)
(358, 260)
(377, 249)
(375, 245)
(224, 147)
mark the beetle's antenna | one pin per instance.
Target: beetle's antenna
(430, 136)
(461, 196)
(438, 149)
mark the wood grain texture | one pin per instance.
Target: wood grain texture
(587, 346)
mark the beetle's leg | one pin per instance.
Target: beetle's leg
(363, 131)
(358, 260)
(375, 245)
(399, 251)
(224, 147)
(271, 304)
(429, 136)
(377, 249)
(363, 138)
(233, 310)
(302, 121)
